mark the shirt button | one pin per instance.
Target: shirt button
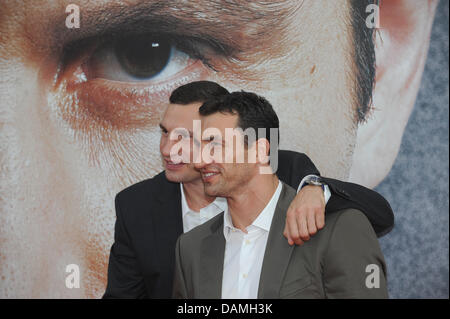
(247, 241)
(244, 276)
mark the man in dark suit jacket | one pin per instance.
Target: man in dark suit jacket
(149, 213)
(241, 253)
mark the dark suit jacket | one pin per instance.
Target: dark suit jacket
(149, 221)
(331, 264)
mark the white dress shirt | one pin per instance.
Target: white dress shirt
(192, 219)
(244, 252)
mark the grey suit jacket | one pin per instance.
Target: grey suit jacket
(332, 264)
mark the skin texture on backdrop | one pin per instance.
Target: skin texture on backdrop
(423, 209)
(79, 120)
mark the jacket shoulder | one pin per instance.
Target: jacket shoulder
(350, 221)
(145, 187)
(346, 216)
(139, 199)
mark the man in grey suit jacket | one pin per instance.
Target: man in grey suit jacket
(241, 253)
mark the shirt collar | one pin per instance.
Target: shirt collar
(264, 219)
(184, 206)
(219, 202)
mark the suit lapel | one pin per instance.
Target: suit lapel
(168, 216)
(167, 227)
(211, 262)
(278, 252)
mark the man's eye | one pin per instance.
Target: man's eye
(138, 58)
(125, 82)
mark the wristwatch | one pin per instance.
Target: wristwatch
(313, 180)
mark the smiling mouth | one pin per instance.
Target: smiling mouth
(208, 176)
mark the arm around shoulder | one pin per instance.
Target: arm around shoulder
(372, 204)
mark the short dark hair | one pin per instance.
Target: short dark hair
(198, 91)
(363, 57)
(253, 111)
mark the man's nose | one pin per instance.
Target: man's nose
(165, 146)
(197, 150)
(199, 162)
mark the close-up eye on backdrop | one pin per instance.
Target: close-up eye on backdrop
(80, 114)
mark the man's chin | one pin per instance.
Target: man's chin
(176, 177)
(212, 191)
(182, 176)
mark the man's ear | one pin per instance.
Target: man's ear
(401, 47)
(262, 146)
(266, 164)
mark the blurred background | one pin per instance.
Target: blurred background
(417, 187)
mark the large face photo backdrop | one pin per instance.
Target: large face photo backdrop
(81, 101)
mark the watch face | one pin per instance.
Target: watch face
(315, 180)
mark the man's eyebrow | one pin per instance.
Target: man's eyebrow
(165, 129)
(238, 24)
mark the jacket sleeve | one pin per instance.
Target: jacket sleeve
(124, 278)
(353, 265)
(179, 283)
(293, 167)
(372, 204)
